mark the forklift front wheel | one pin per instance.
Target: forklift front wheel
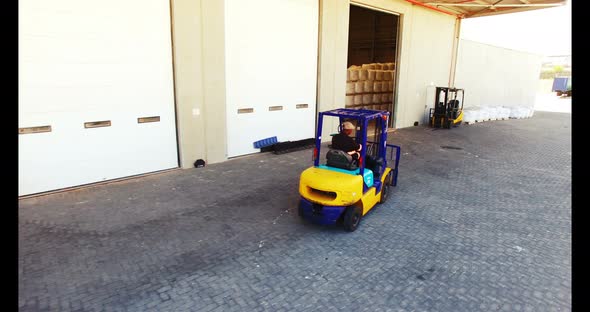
(352, 218)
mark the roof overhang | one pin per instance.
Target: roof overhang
(477, 8)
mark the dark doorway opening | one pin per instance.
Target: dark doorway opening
(372, 53)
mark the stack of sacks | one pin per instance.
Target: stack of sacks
(352, 77)
(470, 115)
(527, 112)
(491, 112)
(519, 112)
(506, 112)
(484, 114)
(496, 112)
(514, 112)
(370, 86)
(500, 112)
(503, 112)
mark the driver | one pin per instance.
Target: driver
(343, 141)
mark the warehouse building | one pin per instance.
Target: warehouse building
(116, 89)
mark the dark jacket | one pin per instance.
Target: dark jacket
(345, 143)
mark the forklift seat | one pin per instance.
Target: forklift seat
(454, 108)
(340, 159)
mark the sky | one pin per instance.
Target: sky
(544, 31)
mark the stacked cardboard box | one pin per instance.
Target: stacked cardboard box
(370, 86)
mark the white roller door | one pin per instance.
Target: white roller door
(271, 71)
(94, 63)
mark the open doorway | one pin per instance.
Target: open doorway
(372, 55)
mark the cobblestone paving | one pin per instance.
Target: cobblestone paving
(480, 221)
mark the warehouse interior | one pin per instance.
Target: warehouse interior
(372, 54)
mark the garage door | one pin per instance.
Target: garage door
(271, 70)
(95, 92)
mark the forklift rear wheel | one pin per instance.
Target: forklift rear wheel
(352, 218)
(385, 188)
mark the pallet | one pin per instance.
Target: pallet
(289, 146)
(489, 119)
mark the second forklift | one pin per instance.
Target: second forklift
(448, 109)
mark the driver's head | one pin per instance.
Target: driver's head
(347, 127)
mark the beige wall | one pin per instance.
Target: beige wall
(426, 43)
(429, 61)
(213, 32)
(199, 73)
(495, 76)
(333, 47)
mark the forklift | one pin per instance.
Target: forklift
(448, 110)
(342, 190)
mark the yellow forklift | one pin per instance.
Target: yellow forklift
(448, 109)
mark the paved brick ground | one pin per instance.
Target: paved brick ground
(481, 226)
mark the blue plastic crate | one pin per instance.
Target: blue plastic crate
(265, 142)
